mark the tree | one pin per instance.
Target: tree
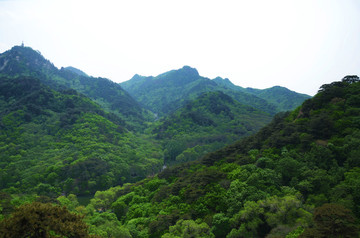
(120, 209)
(332, 220)
(106, 225)
(42, 220)
(103, 199)
(352, 187)
(221, 225)
(189, 229)
(249, 221)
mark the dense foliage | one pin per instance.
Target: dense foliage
(65, 143)
(206, 124)
(43, 220)
(53, 142)
(292, 178)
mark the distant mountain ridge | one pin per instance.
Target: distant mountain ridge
(171, 90)
(283, 98)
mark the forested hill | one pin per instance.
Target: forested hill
(54, 142)
(24, 61)
(206, 124)
(169, 91)
(297, 177)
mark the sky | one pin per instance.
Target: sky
(298, 44)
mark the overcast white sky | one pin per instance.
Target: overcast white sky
(299, 44)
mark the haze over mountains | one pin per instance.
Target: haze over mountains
(160, 154)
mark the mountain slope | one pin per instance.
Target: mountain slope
(109, 95)
(266, 185)
(167, 92)
(27, 62)
(60, 141)
(205, 124)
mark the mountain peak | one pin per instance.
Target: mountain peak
(137, 77)
(25, 51)
(76, 71)
(179, 77)
(13, 61)
(192, 72)
(225, 81)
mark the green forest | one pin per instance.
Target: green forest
(176, 155)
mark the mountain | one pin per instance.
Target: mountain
(205, 124)
(73, 112)
(169, 91)
(283, 98)
(56, 142)
(297, 177)
(25, 61)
